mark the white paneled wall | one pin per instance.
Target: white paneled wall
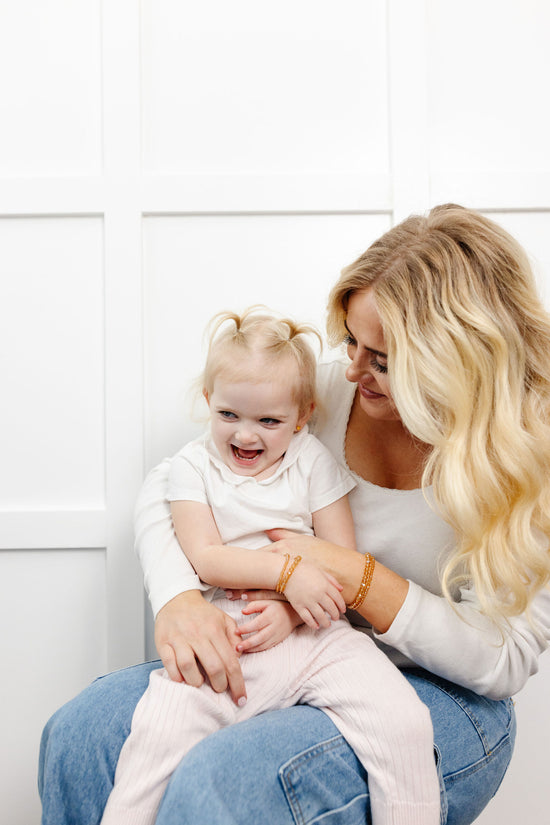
(196, 265)
(161, 161)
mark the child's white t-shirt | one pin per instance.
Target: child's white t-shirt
(308, 479)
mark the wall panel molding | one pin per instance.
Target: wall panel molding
(53, 529)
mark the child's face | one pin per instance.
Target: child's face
(252, 424)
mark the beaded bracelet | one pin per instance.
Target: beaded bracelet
(287, 559)
(364, 587)
(286, 574)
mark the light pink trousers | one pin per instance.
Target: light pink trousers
(339, 670)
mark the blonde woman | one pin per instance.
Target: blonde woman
(442, 415)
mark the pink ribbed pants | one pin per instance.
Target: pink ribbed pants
(339, 670)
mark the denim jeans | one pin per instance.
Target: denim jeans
(288, 767)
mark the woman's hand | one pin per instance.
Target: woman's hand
(343, 563)
(193, 636)
(308, 547)
(388, 590)
(274, 621)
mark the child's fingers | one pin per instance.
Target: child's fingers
(307, 618)
(258, 641)
(334, 581)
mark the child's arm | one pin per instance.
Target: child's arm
(334, 523)
(216, 564)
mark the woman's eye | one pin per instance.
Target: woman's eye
(350, 341)
(378, 366)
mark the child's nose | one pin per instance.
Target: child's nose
(246, 435)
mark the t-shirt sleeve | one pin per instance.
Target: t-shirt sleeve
(328, 480)
(187, 477)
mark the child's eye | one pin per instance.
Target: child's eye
(270, 422)
(226, 415)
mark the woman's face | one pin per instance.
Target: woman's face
(369, 361)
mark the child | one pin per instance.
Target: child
(259, 468)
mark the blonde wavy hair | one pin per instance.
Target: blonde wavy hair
(468, 344)
(236, 339)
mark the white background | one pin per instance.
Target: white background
(163, 160)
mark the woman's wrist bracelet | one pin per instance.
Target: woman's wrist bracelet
(364, 587)
(287, 573)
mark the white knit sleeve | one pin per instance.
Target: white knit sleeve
(166, 570)
(464, 646)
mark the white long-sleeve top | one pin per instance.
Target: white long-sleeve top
(404, 533)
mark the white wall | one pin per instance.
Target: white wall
(165, 159)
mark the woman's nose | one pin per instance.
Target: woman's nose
(354, 369)
(359, 369)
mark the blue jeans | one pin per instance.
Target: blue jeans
(292, 763)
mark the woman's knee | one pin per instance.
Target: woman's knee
(474, 739)
(87, 733)
(253, 761)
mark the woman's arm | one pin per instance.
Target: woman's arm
(454, 641)
(387, 592)
(192, 635)
(166, 571)
(463, 645)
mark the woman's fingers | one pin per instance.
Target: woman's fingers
(195, 639)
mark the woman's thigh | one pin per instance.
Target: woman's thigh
(81, 744)
(293, 766)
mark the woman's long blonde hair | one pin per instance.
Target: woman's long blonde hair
(468, 345)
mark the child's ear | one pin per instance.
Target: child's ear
(305, 416)
(205, 394)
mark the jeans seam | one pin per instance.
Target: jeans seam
(480, 764)
(465, 707)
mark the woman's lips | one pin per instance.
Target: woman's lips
(366, 393)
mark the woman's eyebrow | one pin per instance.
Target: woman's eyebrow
(370, 349)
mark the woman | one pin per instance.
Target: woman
(444, 421)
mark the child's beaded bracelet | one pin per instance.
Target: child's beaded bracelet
(286, 574)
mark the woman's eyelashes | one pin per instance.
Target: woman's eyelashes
(376, 361)
(378, 366)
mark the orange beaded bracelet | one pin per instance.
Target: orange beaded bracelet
(286, 574)
(364, 587)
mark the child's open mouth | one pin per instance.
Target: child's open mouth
(245, 455)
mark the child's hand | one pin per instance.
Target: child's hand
(274, 621)
(253, 595)
(315, 595)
